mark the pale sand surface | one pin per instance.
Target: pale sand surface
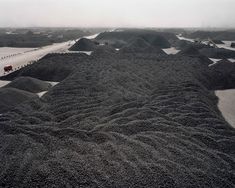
(227, 105)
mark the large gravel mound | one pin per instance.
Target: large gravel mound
(190, 51)
(29, 84)
(121, 120)
(53, 67)
(84, 45)
(11, 97)
(140, 45)
(223, 75)
(156, 39)
(219, 53)
(104, 50)
(181, 44)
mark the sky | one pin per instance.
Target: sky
(117, 13)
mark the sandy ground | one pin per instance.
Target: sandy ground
(183, 38)
(232, 60)
(40, 94)
(215, 61)
(7, 51)
(25, 58)
(227, 105)
(171, 50)
(74, 52)
(3, 83)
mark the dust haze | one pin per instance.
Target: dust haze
(117, 13)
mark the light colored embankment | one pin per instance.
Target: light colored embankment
(227, 105)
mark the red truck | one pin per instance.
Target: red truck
(8, 68)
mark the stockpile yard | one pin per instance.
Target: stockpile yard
(133, 117)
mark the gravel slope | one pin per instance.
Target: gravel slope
(121, 120)
(29, 84)
(11, 97)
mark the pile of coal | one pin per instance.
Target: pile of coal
(139, 45)
(218, 53)
(11, 97)
(53, 67)
(222, 75)
(29, 84)
(120, 120)
(189, 50)
(217, 41)
(156, 39)
(84, 45)
(103, 50)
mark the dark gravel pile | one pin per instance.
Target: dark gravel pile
(104, 50)
(218, 41)
(139, 45)
(120, 120)
(84, 45)
(11, 97)
(29, 84)
(215, 35)
(181, 44)
(117, 38)
(192, 51)
(219, 53)
(222, 75)
(189, 50)
(53, 67)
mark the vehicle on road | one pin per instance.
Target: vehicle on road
(8, 68)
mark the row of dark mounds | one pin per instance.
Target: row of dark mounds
(222, 74)
(53, 68)
(217, 37)
(31, 40)
(119, 39)
(138, 41)
(208, 51)
(135, 45)
(218, 53)
(214, 35)
(119, 119)
(30, 80)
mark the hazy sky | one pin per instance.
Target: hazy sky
(118, 13)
